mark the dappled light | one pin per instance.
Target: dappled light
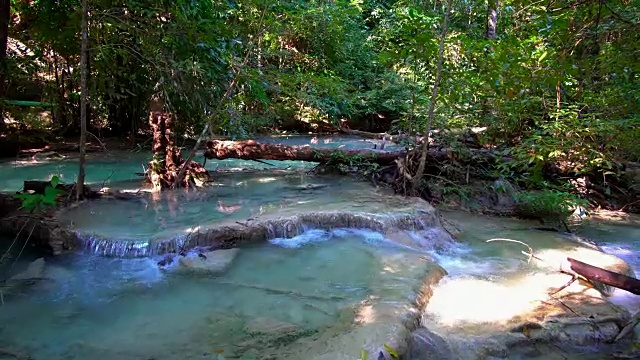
(459, 301)
(326, 180)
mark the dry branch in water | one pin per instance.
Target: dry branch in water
(589, 273)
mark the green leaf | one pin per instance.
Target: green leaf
(391, 351)
(50, 195)
(55, 181)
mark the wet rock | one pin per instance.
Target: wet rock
(166, 260)
(309, 187)
(450, 226)
(425, 344)
(13, 354)
(480, 318)
(414, 217)
(31, 276)
(61, 239)
(212, 262)
(504, 194)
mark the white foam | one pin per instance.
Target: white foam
(307, 237)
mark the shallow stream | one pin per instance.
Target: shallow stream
(275, 298)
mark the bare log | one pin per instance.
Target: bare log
(594, 273)
(251, 150)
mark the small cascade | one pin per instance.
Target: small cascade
(114, 247)
(288, 229)
(269, 229)
(129, 248)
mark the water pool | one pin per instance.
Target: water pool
(271, 297)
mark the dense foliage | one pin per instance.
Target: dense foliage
(550, 81)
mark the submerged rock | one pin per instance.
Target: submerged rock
(269, 326)
(212, 262)
(376, 325)
(32, 275)
(425, 344)
(309, 187)
(35, 271)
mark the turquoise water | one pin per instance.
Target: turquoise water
(109, 308)
(111, 169)
(118, 166)
(232, 197)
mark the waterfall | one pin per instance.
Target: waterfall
(114, 247)
(268, 229)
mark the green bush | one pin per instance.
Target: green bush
(548, 204)
(37, 202)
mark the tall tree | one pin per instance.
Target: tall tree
(417, 178)
(492, 19)
(5, 18)
(83, 99)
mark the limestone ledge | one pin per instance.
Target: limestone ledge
(227, 235)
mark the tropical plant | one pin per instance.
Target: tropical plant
(38, 202)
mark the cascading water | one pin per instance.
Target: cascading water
(277, 299)
(307, 281)
(113, 247)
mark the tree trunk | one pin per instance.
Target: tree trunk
(161, 166)
(606, 277)
(251, 150)
(417, 177)
(5, 18)
(83, 100)
(492, 19)
(167, 159)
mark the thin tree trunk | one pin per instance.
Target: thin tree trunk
(5, 18)
(417, 178)
(492, 19)
(83, 99)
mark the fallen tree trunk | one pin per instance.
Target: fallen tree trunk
(594, 273)
(251, 150)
